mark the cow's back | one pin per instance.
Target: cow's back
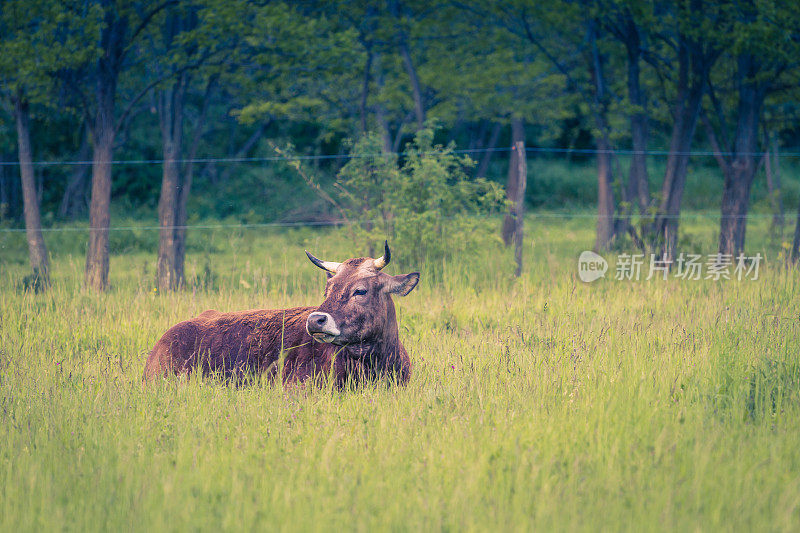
(228, 343)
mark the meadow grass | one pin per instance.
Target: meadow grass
(539, 402)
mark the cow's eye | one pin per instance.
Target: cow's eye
(359, 292)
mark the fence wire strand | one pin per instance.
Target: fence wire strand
(466, 151)
(319, 157)
(337, 223)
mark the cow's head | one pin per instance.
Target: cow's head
(358, 311)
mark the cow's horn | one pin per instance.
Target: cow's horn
(328, 266)
(383, 260)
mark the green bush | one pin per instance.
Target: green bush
(425, 204)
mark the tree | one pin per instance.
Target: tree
(75, 200)
(629, 23)
(39, 37)
(403, 14)
(600, 102)
(95, 85)
(673, 40)
(569, 37)
(487, 65)
(760, 60)
(392, 43)
(183, 37)
(302, 66)
(33, 225)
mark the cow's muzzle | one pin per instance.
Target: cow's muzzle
(322, 327)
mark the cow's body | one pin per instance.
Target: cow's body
(234, 344)
(352, 335)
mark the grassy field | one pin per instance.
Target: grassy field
(539, 402)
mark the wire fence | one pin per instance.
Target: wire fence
(332, 223)
(336, 223)
(466, 151)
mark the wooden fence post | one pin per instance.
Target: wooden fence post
(519, 205)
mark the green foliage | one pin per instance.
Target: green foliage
(258, 194)
(494, 73)
(426, 206)
(38, 38)
(296, 64)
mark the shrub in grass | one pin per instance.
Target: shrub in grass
(425, 203)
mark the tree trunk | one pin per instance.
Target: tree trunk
(171, 125)
(380, 111)
(605, 195)
(33, 224)
(742, 169)
(396, 8)
(605, 192)
(795, 255)
(772, 168)
(6, 188)
(386, 135)
(73, 201)
(513, 186)
(39, 185)
(186, 187)
(398, 138)
(519, 206)
(691, 76)
(365, 93)
(96, 276)
(180, 223)
(487, 155)
(638, 188)
(457, 127)
(3, 191)
(14, 194)
(476, 137)
(243, 150)
(416, 89)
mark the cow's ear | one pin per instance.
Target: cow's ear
(402, 285)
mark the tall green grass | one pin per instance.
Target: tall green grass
(539, 402)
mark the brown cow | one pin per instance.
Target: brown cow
(352, 335)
